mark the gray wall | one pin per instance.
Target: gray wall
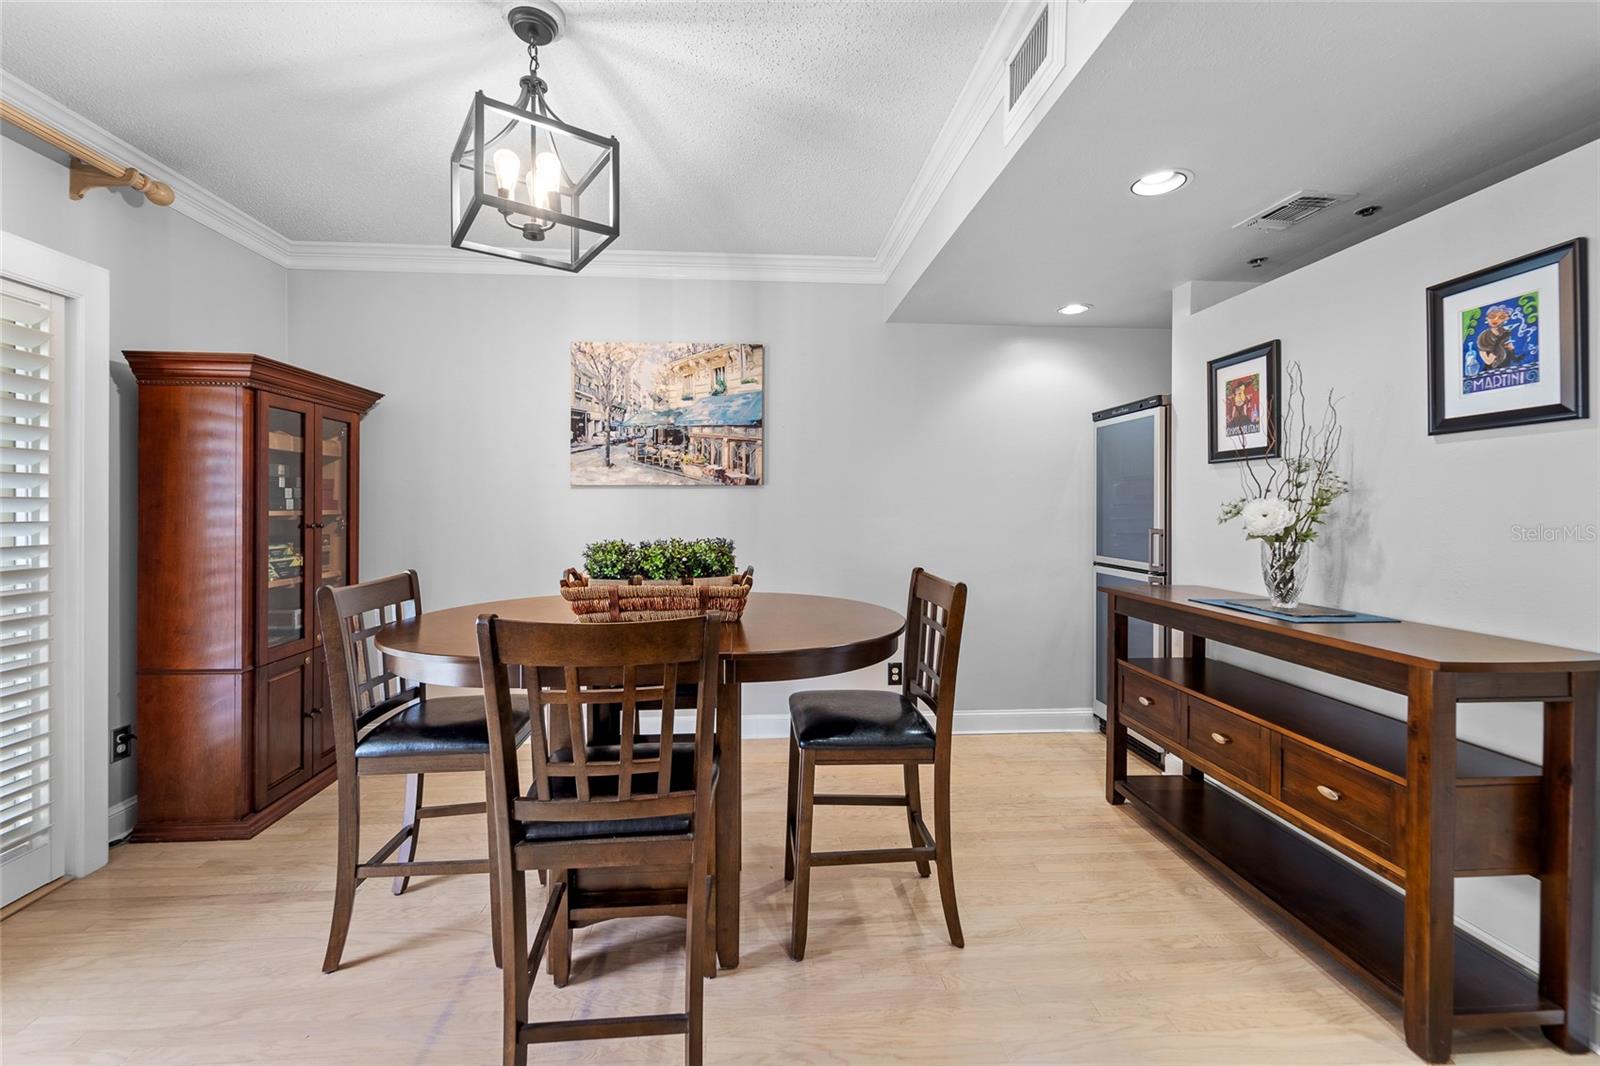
(966, 450)
(174, 284)
(1429, 531)
(465, 460)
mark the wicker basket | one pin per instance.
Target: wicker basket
(638, 600)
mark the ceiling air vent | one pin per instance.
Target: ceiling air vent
(1293, 210)
(1029, 57)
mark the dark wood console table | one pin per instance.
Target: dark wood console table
(1406, 800)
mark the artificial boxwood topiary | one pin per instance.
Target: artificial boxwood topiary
(660, 560)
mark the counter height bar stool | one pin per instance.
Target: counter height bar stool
(876, 728)
(595, 806)
(383, 724)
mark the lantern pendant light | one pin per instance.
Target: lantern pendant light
(524, 184)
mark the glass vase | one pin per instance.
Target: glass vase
(1283, 570)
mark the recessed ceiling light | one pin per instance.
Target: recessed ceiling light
(1160, 182)
(1073, 309)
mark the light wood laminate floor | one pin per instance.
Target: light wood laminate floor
(1089, 940)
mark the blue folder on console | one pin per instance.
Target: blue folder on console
(1303, 613)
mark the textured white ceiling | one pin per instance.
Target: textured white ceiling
(782, 128)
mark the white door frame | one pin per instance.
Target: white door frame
(80, 553)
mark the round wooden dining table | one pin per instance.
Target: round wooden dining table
(781, 637)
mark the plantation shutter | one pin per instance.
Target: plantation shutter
(29, 321)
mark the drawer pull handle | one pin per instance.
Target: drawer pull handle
(1328, 793)
(1221, 739)
(1145, 701)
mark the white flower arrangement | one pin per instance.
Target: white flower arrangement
(1283, 508)
(1288, 504)
(1266, 516)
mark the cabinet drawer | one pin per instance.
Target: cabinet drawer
(1352, 802)
(1151, 704)
(1233, 743)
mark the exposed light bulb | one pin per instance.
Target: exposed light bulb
(507, 169)
(547, 170)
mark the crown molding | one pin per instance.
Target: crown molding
(981, 94)
(193, 201)
(205, 207)
(616, 263)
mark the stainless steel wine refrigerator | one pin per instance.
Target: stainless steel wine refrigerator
(1131, 543)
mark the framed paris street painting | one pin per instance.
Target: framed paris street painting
(1242, 393)
(1507, 346)
(672, 414)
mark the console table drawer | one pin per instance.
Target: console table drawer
(1151, 704)
(1233, 743)
(1353, 803)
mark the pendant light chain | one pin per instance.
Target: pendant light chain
(536, 85)
(512, 160)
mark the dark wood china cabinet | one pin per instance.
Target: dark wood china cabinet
(249, 499)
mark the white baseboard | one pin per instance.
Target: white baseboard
(1024, 720)
(121, 817)
(1527, 962)
(1521, 958)
(1027, 720)
(765, 726)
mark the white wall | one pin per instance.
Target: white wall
(966, 450)
(1428, 532)
(174, 284)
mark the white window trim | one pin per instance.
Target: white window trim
(80, 655)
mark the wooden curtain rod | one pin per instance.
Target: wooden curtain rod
(90, 169)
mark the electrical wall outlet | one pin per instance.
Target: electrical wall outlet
(894, 673)
(121, 742)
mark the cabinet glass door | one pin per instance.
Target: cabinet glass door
(1127, 488)
(335, 549)
(284, 501)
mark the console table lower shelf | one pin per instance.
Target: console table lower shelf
(1406, 801)
(1354, 916)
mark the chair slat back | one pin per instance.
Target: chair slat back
(935, 611)
(572, 671)
(363, 691)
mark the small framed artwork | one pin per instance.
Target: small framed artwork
(1507, 346)
(1242, 390)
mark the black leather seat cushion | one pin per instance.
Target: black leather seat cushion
(858, 718)
(439, 725)
(644, 784)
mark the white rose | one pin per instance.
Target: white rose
(1266, 517)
